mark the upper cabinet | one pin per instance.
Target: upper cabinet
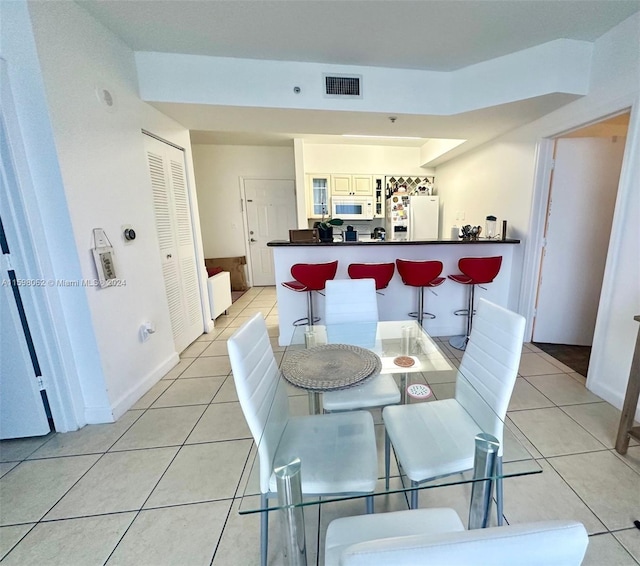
(317, 195)
(352, 185)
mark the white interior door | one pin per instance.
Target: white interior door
(175, 237)
(271, 213)
(582, 199)
(21, 408)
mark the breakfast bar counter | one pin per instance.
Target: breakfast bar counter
(396, 300)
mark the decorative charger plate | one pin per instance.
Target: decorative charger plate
(332, 366)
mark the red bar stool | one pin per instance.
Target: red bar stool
(420, 274)
(381, 273)
(475, 271)
(310, 277)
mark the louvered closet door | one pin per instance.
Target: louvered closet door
(175, 236)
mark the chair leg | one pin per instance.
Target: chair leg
(310, 307)
(310, 319)
(470, 317)
(387, 459)
(460, 342)
(264, 529)
(369, 504)
(499, 491)
(420, 314)
(414, 495)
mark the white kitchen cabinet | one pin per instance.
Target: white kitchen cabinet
(362, 185)
(341, 185)
(352, 185)
(318, 195)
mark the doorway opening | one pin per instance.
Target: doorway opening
(581, 199)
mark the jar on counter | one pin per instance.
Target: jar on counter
(490, 227)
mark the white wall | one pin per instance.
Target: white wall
(363, 159)
(106, 185)
(502, 178)
(218, 170)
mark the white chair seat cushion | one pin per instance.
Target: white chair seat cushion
(431, 439)
(347, 531)
(377, 392)
(337, 452)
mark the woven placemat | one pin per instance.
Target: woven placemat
(332, 366)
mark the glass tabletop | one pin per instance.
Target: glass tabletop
(390, 340)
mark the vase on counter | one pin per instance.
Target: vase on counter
(325, 234)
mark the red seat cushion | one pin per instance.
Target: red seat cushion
(211, 271)
(294, 286)
(419, 273)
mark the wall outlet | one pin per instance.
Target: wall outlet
(146, 330)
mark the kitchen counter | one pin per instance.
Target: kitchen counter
(277, 243)
(397, 300)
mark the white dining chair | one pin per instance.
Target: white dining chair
(436, 439)
(337, 451)
(437, 536)
(350, 301)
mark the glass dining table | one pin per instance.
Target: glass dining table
(315, 362)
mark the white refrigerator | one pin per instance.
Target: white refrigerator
(412, 217)
(424, 212)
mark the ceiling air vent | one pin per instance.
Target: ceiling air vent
(340, 86)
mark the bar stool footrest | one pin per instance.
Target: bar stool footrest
(305, 321)
(425, 314)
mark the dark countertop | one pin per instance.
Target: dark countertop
(279, 243)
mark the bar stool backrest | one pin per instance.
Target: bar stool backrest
(314, 275)
(381, 273)
(418, 273)
(480, 269)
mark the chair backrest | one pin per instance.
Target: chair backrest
(314, 275)
(261, 392)
(418, 273)
(380, 272)
(350, 300)
(489, 366)
(552, 543)
(480, 269)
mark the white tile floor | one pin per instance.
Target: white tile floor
(163, 484)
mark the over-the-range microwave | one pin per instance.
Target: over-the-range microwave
(352, 208)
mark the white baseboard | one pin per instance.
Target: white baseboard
(99, 415)
(131, 397)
